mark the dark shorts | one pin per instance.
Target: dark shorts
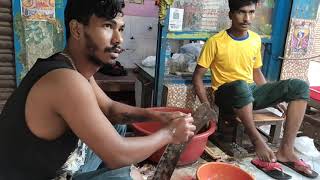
(238, 94)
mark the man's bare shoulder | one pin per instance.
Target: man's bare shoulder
(64, 78)
(63, 85)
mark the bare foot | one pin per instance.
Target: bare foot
(289, 156)
(286, 155)
(264, 153)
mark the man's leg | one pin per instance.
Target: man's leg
(236, 97)
(295, 114)
(261, 148)
(298, 94)
(294, 91)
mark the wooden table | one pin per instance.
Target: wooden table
(119, 88)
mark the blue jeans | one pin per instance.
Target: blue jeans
(92, 170)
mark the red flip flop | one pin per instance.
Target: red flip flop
(273, 170)
(300, 163)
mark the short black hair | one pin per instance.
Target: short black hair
(82, 10)
(237, 4)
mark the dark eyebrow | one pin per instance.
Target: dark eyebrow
(243, 11)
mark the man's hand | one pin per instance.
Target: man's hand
(282, 107)
(167, 117)
(181, 129)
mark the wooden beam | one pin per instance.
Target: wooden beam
(7, 70)
(6, 3)
(5, 17)
(6, 31)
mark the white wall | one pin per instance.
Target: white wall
(139, 40)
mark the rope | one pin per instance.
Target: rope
(306, 58)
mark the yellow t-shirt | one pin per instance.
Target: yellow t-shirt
(230, 59)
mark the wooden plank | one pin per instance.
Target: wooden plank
(6, 64)
(6, 44)
(5, 17)
(7, 70)
(6, 58)
(6, 24)
(7, 84)
(4, 95)
(10, 90)
(6, 3)
(6, 31)
(5, 10)
(6, 51)
(6, 38)
(7, 77)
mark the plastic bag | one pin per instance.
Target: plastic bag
(302, 142)
(150, 61)
(179, 62)
(191, 48)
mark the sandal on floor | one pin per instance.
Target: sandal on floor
(297, 165)
(273, 170)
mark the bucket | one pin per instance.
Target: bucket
(219, 170)
(192, 151)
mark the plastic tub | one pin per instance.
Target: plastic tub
(315, 93)
(193, 150)
(219, 171)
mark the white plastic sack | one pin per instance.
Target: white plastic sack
(150, 61)
(191, 48)
(305, 145)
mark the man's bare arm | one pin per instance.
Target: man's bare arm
(76, 103)
(119, 113)
(258, 77)
(198, 85)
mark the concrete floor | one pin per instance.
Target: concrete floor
(188, 172)
(259, 175)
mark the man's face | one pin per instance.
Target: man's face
(242, 18)
(102, 39)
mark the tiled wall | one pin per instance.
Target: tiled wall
(140, 35)
(140, 39)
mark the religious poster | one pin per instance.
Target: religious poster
(300, 37)
(38, 10)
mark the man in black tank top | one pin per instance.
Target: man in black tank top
(59, 102)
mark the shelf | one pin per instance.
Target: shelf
(189, 35)
(202, 35)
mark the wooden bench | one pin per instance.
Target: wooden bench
(231, 132)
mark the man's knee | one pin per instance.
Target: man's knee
(237, 88)
(298, 89)
(235, 94)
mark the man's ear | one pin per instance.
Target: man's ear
(230, 15)
(75, 29)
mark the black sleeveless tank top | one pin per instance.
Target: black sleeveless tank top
(24, 156)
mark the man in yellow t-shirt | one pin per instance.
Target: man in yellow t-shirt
(234, 58)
